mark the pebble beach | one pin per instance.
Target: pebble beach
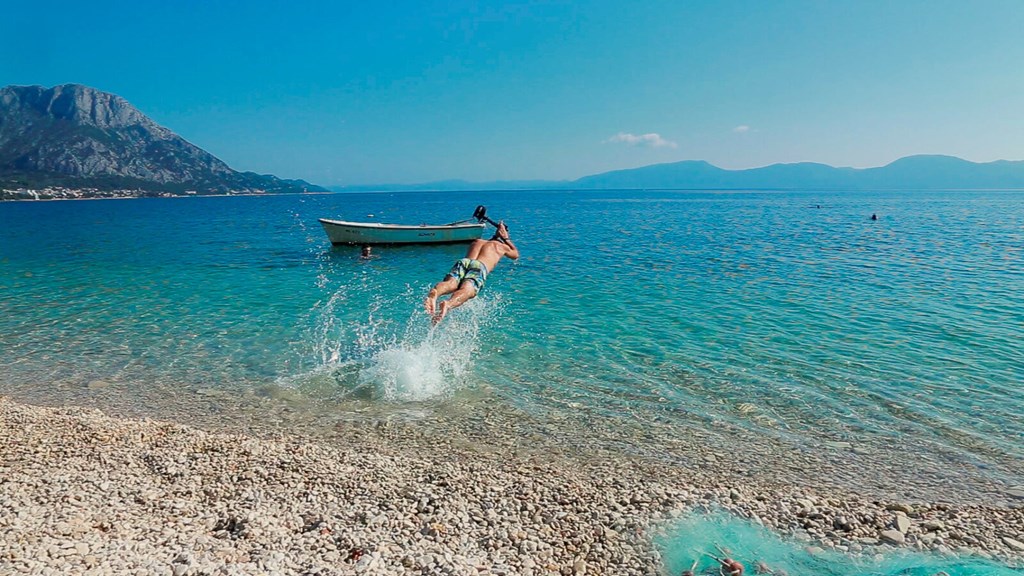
(86, 493)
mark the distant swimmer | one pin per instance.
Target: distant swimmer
(468, 275)
(874, 216)
(367, 253)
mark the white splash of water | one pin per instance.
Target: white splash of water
(430, 362)
(395, 359)
(414, 373)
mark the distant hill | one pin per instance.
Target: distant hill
(913, 172)
(75, 136)
(910, 173)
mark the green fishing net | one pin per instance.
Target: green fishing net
(701, 537)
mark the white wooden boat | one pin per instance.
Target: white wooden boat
(342, 232)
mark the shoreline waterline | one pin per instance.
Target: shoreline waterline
(482, 417)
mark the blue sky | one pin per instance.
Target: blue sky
(401, 92)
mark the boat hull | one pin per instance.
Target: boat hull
(342, 232)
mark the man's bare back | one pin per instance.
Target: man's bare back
(487, 252)
(466, 278)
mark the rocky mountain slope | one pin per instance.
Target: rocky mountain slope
(77, 136)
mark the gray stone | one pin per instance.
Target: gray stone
(1015, 545)
(898, 507)
(901, 523)
(892, 536)
(838, 445)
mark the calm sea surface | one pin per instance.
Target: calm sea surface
(788, 313)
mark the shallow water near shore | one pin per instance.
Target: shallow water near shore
(702, 539)
(789, 317)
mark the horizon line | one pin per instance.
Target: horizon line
(571, 180)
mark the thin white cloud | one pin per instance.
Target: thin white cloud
(742, 128)
(651, 140)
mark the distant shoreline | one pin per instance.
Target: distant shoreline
(496, 190)
(145, 197)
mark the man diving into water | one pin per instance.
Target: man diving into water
(468, 275)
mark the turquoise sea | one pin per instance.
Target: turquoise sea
(790, 316)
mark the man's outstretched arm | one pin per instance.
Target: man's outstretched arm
(513, 252)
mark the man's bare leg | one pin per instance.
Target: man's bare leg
(443, 287)
(461, 296)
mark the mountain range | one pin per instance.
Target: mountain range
(923, 172)
(74, 136)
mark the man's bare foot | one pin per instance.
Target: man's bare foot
(441, 313)
(430, 302)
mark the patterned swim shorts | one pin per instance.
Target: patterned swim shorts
(472, 270)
